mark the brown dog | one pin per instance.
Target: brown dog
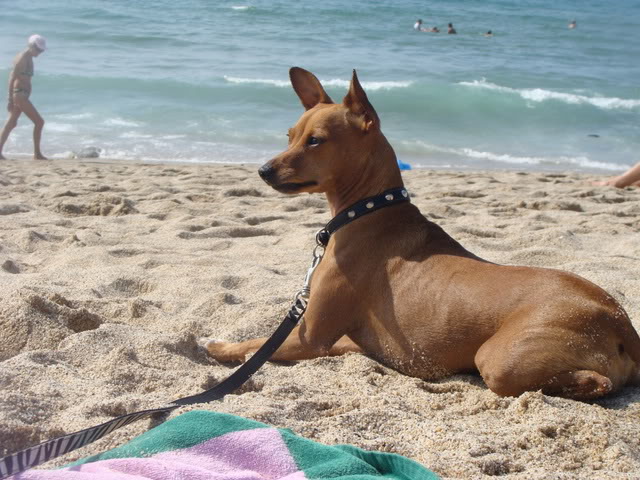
(396, 287)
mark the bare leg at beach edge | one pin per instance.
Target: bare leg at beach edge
(629, 178)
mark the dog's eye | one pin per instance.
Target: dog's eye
(313, 141)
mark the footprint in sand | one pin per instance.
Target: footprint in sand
(131, 287)
(10, 267)
(551, 205)
(243, 192)
(202, 198)
(76, 319)
(259, 220)
(210, 308)
(615, 199)
(11, 209)
(30, 240)
(196, 228)
(125, 252)
(100, 206)
(172, 172)
(543, 218)
(158, 216)
(241, 232)
(504, 211)
(138, 307)
(463, 194)
(231, 282)
(229, 232)
(229, 299)
(66, 193)
(219, 246)
(632, 211)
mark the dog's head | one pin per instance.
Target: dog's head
(329, 141)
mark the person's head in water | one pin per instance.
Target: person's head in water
(37, 44)
(573, 24)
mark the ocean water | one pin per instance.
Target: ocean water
(207, 81)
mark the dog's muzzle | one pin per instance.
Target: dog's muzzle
(266, 172)
(270, 175)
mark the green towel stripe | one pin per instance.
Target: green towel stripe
(184, 431)
(319, 461)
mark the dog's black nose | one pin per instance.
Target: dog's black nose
(266, 171)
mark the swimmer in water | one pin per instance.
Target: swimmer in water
(451, 30)
(19, 92)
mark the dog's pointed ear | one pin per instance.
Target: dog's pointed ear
(358, 103)
(308, 88)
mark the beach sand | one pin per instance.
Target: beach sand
(110, 271)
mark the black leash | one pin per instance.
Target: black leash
(33, 456)
(43, 452)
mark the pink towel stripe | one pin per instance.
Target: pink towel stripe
(258, 454)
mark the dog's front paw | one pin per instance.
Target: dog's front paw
(222, 351)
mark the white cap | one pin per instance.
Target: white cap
(38, 41)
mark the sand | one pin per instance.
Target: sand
(110, 271)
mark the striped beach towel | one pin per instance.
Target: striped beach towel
(201, 445)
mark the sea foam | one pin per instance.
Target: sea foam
(541, 95)
(121, 122)
(60, 127)
(336, 82)
(580, 161)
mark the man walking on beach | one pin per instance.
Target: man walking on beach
(19, 92)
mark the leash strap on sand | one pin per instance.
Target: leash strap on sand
(39, 454)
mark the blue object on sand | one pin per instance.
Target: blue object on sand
(404, 166)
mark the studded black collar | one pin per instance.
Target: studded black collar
(358, 209)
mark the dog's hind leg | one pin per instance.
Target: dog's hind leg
(520, 358)
(579, 385)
